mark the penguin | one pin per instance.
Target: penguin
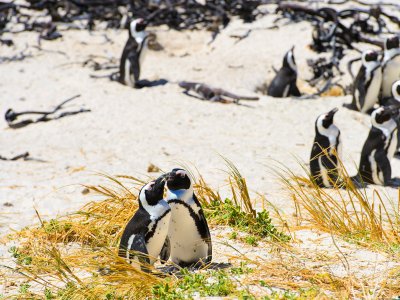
(390, 65)
(395, 100)
(367, 84)
(284, 82)
(189, 235)
(145, 237)
(380, 147)
(133, 53)
(326, 151)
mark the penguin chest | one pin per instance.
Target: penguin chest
(155, 238)
(376, 173)
(391, 74)
(186, 242)
(372, 92)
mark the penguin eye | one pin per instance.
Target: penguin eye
(151, 185)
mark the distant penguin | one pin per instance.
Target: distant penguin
(390, 65)
(395, 100)
(145, 236)
(326, 151)
(379, 147)
(133, 53)
(189, 236)
(367, 84)
(284, 82)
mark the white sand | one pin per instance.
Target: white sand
(128, 129)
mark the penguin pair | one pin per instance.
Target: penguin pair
(367, 84)
(284, 82)
(173, 227)
(379, 148)
(133, 54)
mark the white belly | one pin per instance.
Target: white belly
(324, 174)
(186, 242)
(391, 74)
(129, 79)
(155, 243)
(371, 97)
(377, 176)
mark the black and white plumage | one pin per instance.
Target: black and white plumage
(326, 151)
(379, 147)
(145, 235)
(189, 235)
(390, 65)
(367, 84)
(284, 82)
(133, 53)
(395, 100)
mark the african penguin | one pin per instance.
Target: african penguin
(326, 151)
(145, 236)
(379, 147)
(284, 82)
(367, 84)
(390, 65)
(133, 53)
(189, 236)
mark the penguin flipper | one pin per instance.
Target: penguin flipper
(207, 236)
(138, 250)
(165, 251)
(384, 166)
(294, 90)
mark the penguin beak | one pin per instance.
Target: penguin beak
(159, 184)
(393, 109)
(332, 113)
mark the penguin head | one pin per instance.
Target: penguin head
(289, 61)
(178, 179)
(325, 121)
(382, 116)
(137, 25)
(370, 57)
(152, 192)
(392, 43)
(396, 90)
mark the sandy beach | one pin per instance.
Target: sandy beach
(129, 129)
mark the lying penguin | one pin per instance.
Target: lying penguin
(189, 235)
(133, 53)
(145, 236)
(284, 82)
(326, 151)
(380, 147)
(367, 84)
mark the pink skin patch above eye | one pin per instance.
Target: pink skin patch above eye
(182, 173)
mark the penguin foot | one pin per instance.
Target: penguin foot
(350, 106)
(394, 182)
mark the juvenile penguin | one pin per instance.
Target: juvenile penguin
(379, 147)
(367, 84)
(390, 65)
(326, 151)
(133, 53)
(188, 233)
(284, 82)
(145, 236)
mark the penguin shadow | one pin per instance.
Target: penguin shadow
(150, 83)
(176, 270)
(202, 99)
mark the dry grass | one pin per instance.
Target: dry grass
(369, 220)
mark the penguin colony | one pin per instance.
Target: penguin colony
(174, 227)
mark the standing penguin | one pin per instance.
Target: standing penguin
(189, 236)
(133, 53)
(326, 151)
(145, 236)
(284, 83)
(390, 65)
(367, 84)
(379, 147)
